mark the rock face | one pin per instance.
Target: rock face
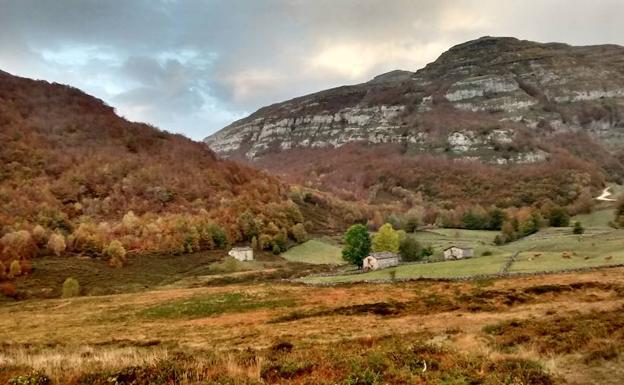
(477, 100)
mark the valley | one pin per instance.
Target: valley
(460, 224)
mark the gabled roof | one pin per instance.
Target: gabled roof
(383, 255)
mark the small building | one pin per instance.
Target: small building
(381, 260)
(458, 252)
(242, 253)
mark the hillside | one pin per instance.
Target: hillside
(459, 130)
(76, 178)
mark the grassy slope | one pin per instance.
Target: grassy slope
(598, 243)
(316, 252)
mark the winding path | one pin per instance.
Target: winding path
(605, 195)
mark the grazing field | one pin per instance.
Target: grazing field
(551, 249)
(554, 329)
(462, 268)
(315, 251)
(598, 218)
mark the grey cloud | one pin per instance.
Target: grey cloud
(192, 66)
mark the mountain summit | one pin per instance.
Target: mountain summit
(476, 100)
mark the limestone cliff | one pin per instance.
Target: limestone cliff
(495, 99)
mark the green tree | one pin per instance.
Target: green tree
(248, 225)
(386, 239)
(496, 219)
(357, 244)
(410, 250)
(532, 225)
(578, 228)
(558, 217)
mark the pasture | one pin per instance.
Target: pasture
(315, 251)
(549, 250)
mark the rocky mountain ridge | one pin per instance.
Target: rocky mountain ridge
(494, 99)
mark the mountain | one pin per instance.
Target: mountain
(486, 113)
(77, 178)
(475, 98)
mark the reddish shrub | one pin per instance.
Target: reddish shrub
(8, 290)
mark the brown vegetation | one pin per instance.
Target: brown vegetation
(76, 178)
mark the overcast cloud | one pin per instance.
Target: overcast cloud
(195, 66)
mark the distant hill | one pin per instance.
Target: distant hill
(70, 167)
(484, 122)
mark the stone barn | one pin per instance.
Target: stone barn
(382, 260)
(242, 253)
(457, 252)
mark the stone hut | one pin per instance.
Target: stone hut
(242, 253)
(381, 260)
(458, 252)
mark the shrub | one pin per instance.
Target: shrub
(276, 249)
(558, 217)
(15, 269)
(410, 249)
(56, 244)
(578, 228)
(386, 239)
(8, 290)
(71, 288)
(116, 253)
(254, 243)
(299, 232)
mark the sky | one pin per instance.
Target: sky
(195, 66)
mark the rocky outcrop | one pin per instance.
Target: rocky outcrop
(475, 99)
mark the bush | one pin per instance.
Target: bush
(578, 228)
(8, 290)
(410, 250)
(276, 249)
(558, 217)
(56, 244)
(15, 269)
(116, 253)
(299, 232)
(71, 288)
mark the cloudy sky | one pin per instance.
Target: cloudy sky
(195, 66)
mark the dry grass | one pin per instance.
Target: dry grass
(108, 333)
